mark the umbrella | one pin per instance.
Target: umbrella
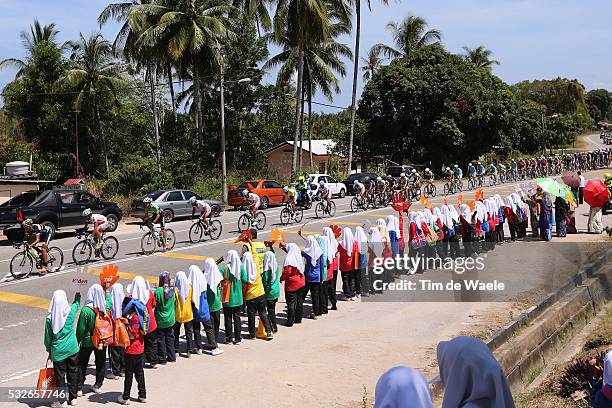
(549, 185)
(596, 193)
(571, 178)
(566, 193)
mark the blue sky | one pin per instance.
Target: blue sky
(533, 39)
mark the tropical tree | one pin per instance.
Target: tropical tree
(409, 36)
(94, 73)
(256, 9)
(370, 64)
(37, 35)
(480, 56)
(192, 32)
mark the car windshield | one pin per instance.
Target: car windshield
(154, 195)
(395, 171)
(248, 184)
(22, 199)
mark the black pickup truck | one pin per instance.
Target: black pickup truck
(56, 208)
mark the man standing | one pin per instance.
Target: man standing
(581, 188)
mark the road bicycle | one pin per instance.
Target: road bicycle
(84, 249)
(322, 209)
(23, 262)
(198, 230)
(288, 214)
(358, 203)
(247, 221)
(493, 180)
(451, 187)
(429, 189)
(154, 239)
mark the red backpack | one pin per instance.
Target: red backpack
(103, 331)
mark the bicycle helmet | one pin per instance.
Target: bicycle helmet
(402, 174)
(427, 169)
(366, 178)
(192, 200)
(147, 200)
(245, 192)
(413, 171)
(285, 189)
(456, 165)
(448, 169)
(479, 163)
(355, 182)
(86, 212)
(26, 222)
(322, 183)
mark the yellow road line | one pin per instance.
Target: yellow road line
(303, 232)
(24, 300)
(178, 255)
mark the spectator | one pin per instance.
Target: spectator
(270, 279)
(134, 311)
(234, 272)
(402, 387)
(213, 294)
(116, 356)
(165, 297)
(602, 391)
(255, 295)
(293, 276)
(581, 188)
(183, 312)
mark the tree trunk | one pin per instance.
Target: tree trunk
(103, 140)
(301, 132)
(355, 74)
(198, 101)
(152, 82)
(171, 86)
(311, 165)
(298, 99)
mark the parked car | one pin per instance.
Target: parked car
(395, 171)
(335, 187)
(57, 209)
(174, 204)
(357, 176)
(269, 191)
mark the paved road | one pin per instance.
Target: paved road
(23, 303)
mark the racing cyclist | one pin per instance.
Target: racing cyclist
(416, 179)
(493, 171)
(291, 196)
(359, 189)
(152, 215)
(202, 207)
(252, 201)
(403, 184)
(325, 194)
(458, 173)
(35, 234)
(471, 172)
(100, 224)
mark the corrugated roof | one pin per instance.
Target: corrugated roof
(319, 147)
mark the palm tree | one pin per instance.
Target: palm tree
(370, 64)
(192, 31)
(256, 9)
(37, 35)
(409, 36)
(480, 56)
(93, 73)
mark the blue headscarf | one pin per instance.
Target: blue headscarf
(164, 282)
(402, 387)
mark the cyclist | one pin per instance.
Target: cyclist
(369, 185)
(471, 171)
(493, 171)
(416, 179)
(202, 207)
(252, 201)
(303, 186)
(514, 167)
(449, 175)
(403, 184)
(359, 189)
(100, 224)
(457, 172)
(291, 196)
(428, 175)
(152, 216)
(35, 234)
(502, 168)
(325, 193)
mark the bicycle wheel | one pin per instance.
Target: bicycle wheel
(244, 223)
(110, 247)
(148, 243)
(447, 189)
(55, 259)
(299, 215)
(332, 209)
(215, 229)
(81, 253)
(195, 233)
(170, 238)
(21, 265)
(285, 216)
(432, 190)
(354, 204)
(319, 210)
(460, 186)
(260, 220)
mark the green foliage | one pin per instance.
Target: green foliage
(599, 102)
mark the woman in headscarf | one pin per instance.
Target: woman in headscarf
(140, 290)
(384, 233)
(361, 262)
(601, 396)
(165, 297)
(510, 215)
(545, 214)
(471, 375)
(427, 225)
(347, 262)
(61, 342)
(466, 218)
(561, 210)
(116, 357)
(455, 238)
(213, 279)
(255, 297)
(270, 280)
(499, 231)
(201, 312)
(375, 250)
(416, 238)
(183, 312)
(293, 276)
(519, 208)
(439, 227)
(235, 274)
(323, 242)
(313, 258)
(333, 264)
(394, 234)
(448, 229)
(95, 304)
(402, 387)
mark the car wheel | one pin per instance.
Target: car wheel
(265, 202)
(50, 226)
(168, 215)
(113, 220)
(342, 193)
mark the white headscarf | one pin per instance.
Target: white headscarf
(347, 240)
(376, 242)
(402, 387)
(466, 212)
(270, 264)
(393, 224)
(481, 211)
(437, 214)
(212, 275)
(381, 223)
(181, 283)
(95, 298)
(313, 250)
(249, 266)
(116, 292)
(58, 310)
(294, 257)
(362, 240)
(517, 199)
(446, 216)
(427, 216)
(138, 290)
(453, 212)
(233, 263)
(332, 248)
(607, 374)
(198, 284)
(499, 201)
(509, 202)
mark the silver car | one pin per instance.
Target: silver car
(173, 204)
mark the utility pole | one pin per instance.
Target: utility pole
(77, 165)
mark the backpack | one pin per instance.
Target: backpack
(103, 331)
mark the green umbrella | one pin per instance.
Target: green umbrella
(549, 185)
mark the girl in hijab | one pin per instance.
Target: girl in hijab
(116, 356)
(394, 234)
(499, 230)
(183, 312)
(61, 342)
(471, 375)
(323, 242)
(270, 280)
(293, 276)
(139, 290)
(361, 262)
(255, 297)
(165, 298)
(402, 387)
(95, 304)
(545, 214)
(384, 233)
(333, 263)
(416, 238)
(448, 229)
(523, 223)
(234, 273)
(201, 312)
(456, 235)
(601, 397)
(347, 262)
(213, 279)
(467, 228)
(510, 215)
(375, 249)
(438, 225)
(561, 210)
(313, 262)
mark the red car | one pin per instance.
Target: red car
(269, 191)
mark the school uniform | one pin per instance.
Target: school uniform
(231, 309)
(183, 313)
(134, 353)
(294, 286)
(270, 280)
(150, 339)
(165, 318)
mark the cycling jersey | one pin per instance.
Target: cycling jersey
(252, 198)
(480, 169)
(153, 209)
(324, 191)
(43, 230)
(360, 188)
(291, 193)
(458, 173)
(201, 205)
(493, 169)
(471, 171)
(98, 219)
(428, 175)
